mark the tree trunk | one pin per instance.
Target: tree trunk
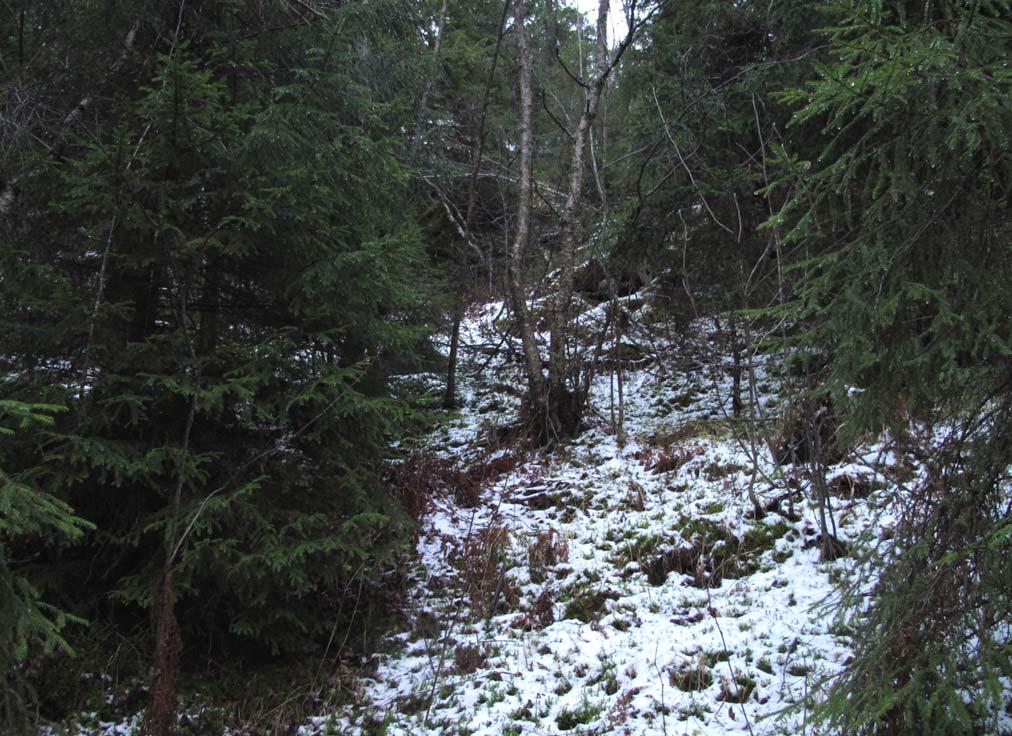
(450, 397)
(565, 392)
(736, 368)
(536, 388)
(160, 715)
(477, 153)
(557, 404)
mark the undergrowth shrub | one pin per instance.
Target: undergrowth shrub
(692, 676)
(807, 426)
(541, 613)
(468, 658)
(667, 458)
(547, 550)
(417, 479)
(713, 552)
(483, 561)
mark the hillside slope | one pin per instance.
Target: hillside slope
(616, 589)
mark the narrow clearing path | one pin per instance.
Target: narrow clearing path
(619, 590)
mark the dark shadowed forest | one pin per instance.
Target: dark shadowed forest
(505, 367)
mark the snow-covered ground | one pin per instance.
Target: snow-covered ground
(615, 589)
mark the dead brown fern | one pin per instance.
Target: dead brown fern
(547, 550)
(483, 564)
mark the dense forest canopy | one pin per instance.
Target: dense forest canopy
(238, 241)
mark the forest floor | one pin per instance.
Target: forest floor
(618, 588)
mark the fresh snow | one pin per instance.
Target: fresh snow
(593, 644)
(743, 657)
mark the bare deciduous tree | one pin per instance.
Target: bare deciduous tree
(556, 403)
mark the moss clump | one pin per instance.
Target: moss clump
(584, 713)
(716, 471)
(642, 546)
(763, 537)
(692, 677)
(712, 552)
(705, 530)
(782, 556)
(606, 678)
(586, 599)
(719, 655)
(710, 546)
(737, 691)
(411, 704)
(699, 428)
(491, 696)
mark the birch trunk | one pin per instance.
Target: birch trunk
(565, 391)
(518, 250)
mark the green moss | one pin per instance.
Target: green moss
(799, 670)
(690, 430)
(427, 626)
(717, 471)
(584, 713)
(763, 537)
(636, 548)
(729, 556)
(606, 678)
(375, 726)
(718, 655)
(531, 712)
(411, 704)
(491, 696)
(696, 710)
(587, 605)
(684, 399)
(586, 599)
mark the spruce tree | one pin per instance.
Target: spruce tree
(29, 518)
(904, 222)
(215, 267)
